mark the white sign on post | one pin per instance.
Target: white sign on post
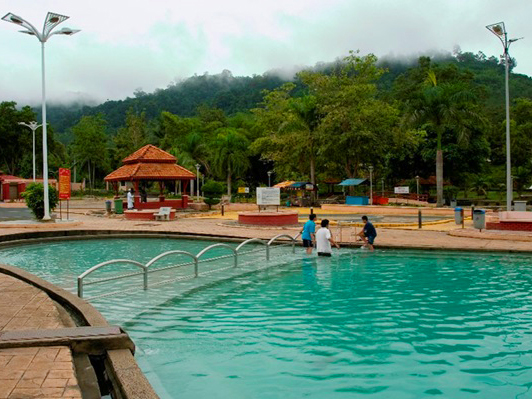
(268, 196)
(401, 190)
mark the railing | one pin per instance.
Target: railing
(196, 259)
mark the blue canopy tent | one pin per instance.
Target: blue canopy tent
(355, 200)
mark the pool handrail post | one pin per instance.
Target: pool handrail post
(255, 240)
(109, 262)
(235, 254)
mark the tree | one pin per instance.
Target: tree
(90, 145)
(212, 191)
(131, 137)
(230, 156)
(34, 197)
(442, 108)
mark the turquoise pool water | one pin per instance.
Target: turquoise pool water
(389, 324)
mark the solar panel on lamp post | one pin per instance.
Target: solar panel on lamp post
(499, 30)
(50, 23)
(33, 126)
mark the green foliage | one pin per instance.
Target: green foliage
(212, 191)
(34, 197)
(90, 145)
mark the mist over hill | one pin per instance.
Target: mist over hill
(234, 94)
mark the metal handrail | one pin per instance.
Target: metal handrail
(256, 240)
(110, 262)
(284, 236)
(165, 254)
(235, 254)
(195, 261)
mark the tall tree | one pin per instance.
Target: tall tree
(90, 145)
(230, 158)
(131, 137)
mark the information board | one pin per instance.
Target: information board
(243, 190)
(64, 183)
(268, 196)
(401, 190)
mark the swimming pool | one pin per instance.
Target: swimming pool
(389, 324)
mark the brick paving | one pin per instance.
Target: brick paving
(46, 372)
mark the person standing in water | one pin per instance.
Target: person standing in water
(324, 240)
(368, 233)
(307, 234)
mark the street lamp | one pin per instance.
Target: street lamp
(197, 180)
(33, 126)
(499, 30)
(417, 187)
(269, 178)
(51, 21)
(371, 184)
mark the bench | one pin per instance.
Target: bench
(163, 214)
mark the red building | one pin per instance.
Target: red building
(12, 186)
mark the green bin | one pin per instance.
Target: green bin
(119, 206)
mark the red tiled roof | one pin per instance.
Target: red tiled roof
(150, 153)
(150, 171)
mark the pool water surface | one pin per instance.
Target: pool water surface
(388, 324)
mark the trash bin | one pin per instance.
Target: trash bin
(108, 206)
(453, 203)
(520, 206)
(119, 206)
(458, 215)
(479, 219)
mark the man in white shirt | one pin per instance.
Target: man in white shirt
(324, 240)
(130, 199)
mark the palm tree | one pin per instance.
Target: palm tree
(230, 154)
(444, 108)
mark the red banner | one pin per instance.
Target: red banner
(64, 183)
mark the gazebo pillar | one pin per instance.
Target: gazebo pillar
(115, 187)
(136, 197)
(161, 191)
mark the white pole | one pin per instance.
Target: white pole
(509, 188)
(371, 186)
(33, 154)
(44, 143)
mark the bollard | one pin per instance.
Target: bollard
(222, 209)
(472, 210)
(463, 221)
(419, 219)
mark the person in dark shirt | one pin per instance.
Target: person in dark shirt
(368, 233)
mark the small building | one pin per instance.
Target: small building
(11, 187)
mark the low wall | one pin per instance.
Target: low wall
(146, 214)
(268, 218)
(388, 210)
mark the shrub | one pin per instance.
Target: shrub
(34, 197)
(212, 191)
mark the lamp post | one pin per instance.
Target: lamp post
(33, 126)
(499, 30)
(417, 187)
(50, 22)
(371, 184)
(269, 178)
(382, 181)
(197, 181)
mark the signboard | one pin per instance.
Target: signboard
(401, 190)
(243, 190)
(64, 183)
(268, 196)
(309, 186)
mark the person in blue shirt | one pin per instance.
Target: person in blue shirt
(368, 233)
(308, 233)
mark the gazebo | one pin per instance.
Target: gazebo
(152, 164)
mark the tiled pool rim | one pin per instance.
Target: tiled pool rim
(125, 374)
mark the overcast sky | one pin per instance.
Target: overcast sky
(126, 45)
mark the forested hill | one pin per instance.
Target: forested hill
(233, 94)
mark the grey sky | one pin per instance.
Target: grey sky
(125, 45)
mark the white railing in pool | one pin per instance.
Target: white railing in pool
(196, 260)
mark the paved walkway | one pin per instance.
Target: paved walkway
(33, 372)
(430, 237)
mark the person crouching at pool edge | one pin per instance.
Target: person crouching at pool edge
(368, 233)
(324, 240)
(308, 233)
